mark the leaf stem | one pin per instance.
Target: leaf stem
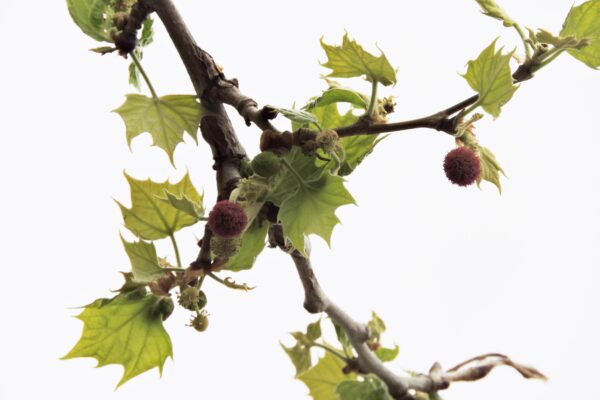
(294, 172)
(137, 63)
(176, 248)
(332, 351)
(373, 100)
(524, 39)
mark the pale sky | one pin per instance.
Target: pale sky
(454, 272)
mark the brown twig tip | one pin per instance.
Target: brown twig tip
(479, 367)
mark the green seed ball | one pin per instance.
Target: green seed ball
(266, 164)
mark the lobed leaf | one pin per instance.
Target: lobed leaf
(490, 168)
(371, 388)
(311, 209)
(300, 356)
(490, 76)
(165, 118)
(351, 60)
(183, 203)
(124, 330)
(323, 379)
(152, 218)
(144, 261)
(583, 22)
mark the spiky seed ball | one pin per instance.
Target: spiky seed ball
(462, 166)
(200, 322)
(189, 297)
(227, 219)
(266, 164)
(225, 248)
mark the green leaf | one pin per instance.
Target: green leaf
(313, 330)
(124, 330)
(298, 116)
(490, 169)
(371, 388)
(329, 116)
(183, 203)
(583, 22)
(165, 118)
(146, 38)
(490, 76)
(253, 243)
(386, 354)
(492, 9)
(91, 17)
(323, 379)
(376, 327)
(287, 183)
(300, 356)
(569, 42)
(339, 94)
(342, 337)
(144, 262)
(311, 209)
(151, 218)
(356, 149)
(351, 60)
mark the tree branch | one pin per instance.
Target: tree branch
(399, 387)
(440, 121)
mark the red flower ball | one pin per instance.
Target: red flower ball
(227, 219)
(462, 166)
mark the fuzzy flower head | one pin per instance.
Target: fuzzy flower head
(462, 166)
(227, 219)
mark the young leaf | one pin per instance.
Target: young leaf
(323, 379)
(371, 388)
(91, 17)
(151, 218)
(124, 330)
(313, 330)
(144, 262)
(376, 327)
(146, 38)
(329, 116)
(253, 243)
(300, 356)
(583, 22)
(387, 354)
(492, 9)
(165, 118)
(339, 94)
(490, 169)
(351, 60)
(569, 42)
(311, 209)
(192, 208)
(342, 337)
(298, 116)
(490, 76)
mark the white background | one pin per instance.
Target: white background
(454, 272)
